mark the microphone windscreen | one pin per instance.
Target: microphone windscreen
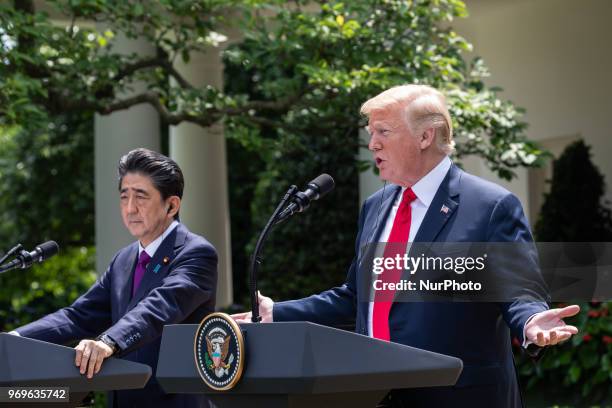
(48, 249)
(325, 184)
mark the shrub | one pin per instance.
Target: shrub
(26, 295)
(580, 370)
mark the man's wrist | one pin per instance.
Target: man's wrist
(271, 315)
(104, 338)
(526, 341)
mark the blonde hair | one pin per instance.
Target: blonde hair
(424, 107)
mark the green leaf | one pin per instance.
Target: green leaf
(185, 55)
(605, 362)
(574, 373)
(565, 357)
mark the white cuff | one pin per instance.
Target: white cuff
(527, 342)
(14, 333)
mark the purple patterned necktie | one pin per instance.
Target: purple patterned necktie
(141, 267)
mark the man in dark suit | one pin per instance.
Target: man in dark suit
(431, 200)
(168, 276)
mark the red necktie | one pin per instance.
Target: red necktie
(141, 267)
(396, 245)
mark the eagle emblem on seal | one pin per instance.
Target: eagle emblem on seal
(217, 345)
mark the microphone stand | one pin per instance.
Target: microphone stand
(6, 268)
(256, 259)
(10, 253)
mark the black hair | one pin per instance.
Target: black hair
(165, 174)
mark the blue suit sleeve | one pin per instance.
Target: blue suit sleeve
(87, 317)
(509, 224)
(192, 281)
(334, 307)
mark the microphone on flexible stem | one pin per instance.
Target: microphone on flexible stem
(26, 259)
(300, 202)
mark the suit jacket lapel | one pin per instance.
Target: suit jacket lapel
(373, 227)
(127, 278)
(158, 268)
(377, 218)
(441, 208)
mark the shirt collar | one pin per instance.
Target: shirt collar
(426, 188)
(152, 247)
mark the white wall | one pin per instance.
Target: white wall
(553, 58)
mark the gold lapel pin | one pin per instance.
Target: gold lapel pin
(166, 260)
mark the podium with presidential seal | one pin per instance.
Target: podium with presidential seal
(292, 364)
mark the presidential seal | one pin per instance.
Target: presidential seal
(219, 351)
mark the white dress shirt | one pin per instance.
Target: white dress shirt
(152, 247)
(425, 190)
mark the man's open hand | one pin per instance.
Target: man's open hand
(89, 356)
(548, 328)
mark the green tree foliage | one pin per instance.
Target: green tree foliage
(53, 61)
(310, 58)
(47, 183)
(322, 65)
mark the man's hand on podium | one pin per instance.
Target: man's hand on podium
(90, 354)
(265, 311)
(548, 328)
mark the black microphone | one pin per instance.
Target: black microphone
(316, 189)
(26, 259)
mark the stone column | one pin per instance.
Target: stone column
(201, 154)
(115, 135)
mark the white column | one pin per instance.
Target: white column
(369, 182)
(115, 135)
(201, 154)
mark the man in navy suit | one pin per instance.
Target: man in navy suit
(167, 276)
(431, 200)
